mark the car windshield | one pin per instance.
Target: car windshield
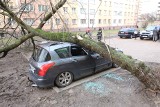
(41, 55)
(149, 28)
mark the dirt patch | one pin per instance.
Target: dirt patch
(16, 90)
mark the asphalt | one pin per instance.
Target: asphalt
(144, 50)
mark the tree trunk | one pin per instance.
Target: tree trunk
(137, 68)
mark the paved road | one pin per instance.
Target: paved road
(145, 50)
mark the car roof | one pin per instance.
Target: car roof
(128, 28)
(52, 45)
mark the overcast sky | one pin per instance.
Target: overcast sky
(149, 6)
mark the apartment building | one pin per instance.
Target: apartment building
(79, 14)
(158, 11)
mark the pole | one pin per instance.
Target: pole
(88, 13)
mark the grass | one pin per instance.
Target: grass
(105, 32)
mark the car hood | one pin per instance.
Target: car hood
(145, 31)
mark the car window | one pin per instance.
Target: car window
(77, 51)
(124, 29)
(63, 52)
(149, 28)
(41, 55)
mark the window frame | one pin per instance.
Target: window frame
(68, 49)
(85, 53)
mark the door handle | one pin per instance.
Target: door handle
(74, 60)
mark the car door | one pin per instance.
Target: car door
(83, 62)
(101, 63)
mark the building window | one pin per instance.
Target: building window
(47, 22)
(73, 10)
(65, 9)
(26, 7)
(110, 3)
(28, 21)
(109, 21)
(119, 14)
(120, 21)
(43, 8)
(104, 21)
(92, 11)
(11, 5)
(105, 3)
(83, 21)
(11, 21)
(83, 11)
(100, 11)
(115, 13)
(128, 13)
(57, 21)
(66, 21)
(114, 21)
(105, 12)
(125, 14)
(74, 21)
(109, 13)
(99, 21)
(124, 21)
(92, 1)
(91, 21)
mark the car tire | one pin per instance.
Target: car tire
(141, 38)
(120, 36)
(114, 65)
(131, 36)
(64, 79)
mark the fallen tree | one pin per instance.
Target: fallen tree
(137, 68)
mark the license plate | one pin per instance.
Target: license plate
(145, 36)
(122, 32)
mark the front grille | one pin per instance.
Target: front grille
(145, 33)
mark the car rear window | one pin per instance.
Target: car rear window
(125, 29)
(41, 55)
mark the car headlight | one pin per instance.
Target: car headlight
(151, 33)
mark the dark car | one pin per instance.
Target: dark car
(128, 32)
(59, 63)
(148, 32)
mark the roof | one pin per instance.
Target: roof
(52, 45)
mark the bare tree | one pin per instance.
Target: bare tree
(137, 68)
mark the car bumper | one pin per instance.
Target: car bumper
(39, 81)
(146, 36)
(124, 35)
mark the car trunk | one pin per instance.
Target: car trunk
(39, 57)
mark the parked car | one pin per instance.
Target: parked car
(148, 32)
(128, 32)
(60, 63)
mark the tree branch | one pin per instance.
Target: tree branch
(55, 8)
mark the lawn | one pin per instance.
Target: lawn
(105, 32)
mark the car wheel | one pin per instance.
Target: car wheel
(141, 38)
(120, 36)
(131, 36)
(114, 65)
(64, 79)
